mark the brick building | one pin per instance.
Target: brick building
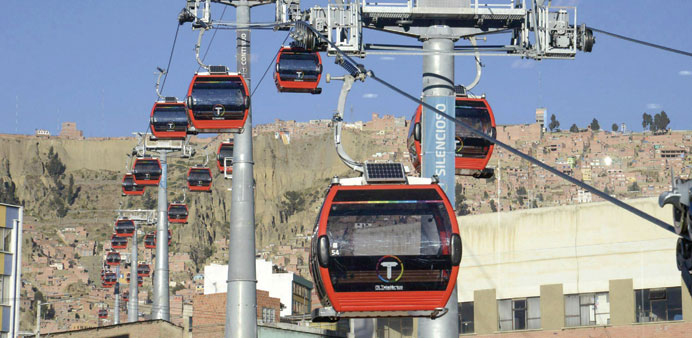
(209, 313)
(69, 130)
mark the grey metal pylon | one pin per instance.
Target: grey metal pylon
(241, 301)
(133, 301)
(161, 307)
(116, 292)
(438, 90)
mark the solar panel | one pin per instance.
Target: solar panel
(218, 70)
(384, 172)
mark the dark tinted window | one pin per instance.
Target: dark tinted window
(389, 245)
(302, 66)
(225, 151)
(476, 114)
(199, 175)
(654, 305)
(147, 166)
(221, 98)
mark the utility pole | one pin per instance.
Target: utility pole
(161, 307)
(116, 292)
(241, 296)
(438, 134)
(38, 319)
(133, 302)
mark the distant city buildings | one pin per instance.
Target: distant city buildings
(292, 289)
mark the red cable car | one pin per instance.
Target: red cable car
(140, 280)
(118, 242)
(124, 228)
(385, 250)
(169, 119)
(130, 188)
(199, 179)
(218, 101)
(225, 151)
(150, 241)
(143, 270)
(113, 258)
(472, 152)
(109, 279)
(147, 171)
(298, 71)
(177, 213)
(103, 314)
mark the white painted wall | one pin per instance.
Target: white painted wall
(580, 246)
(279, 285)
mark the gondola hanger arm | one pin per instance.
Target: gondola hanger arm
(338, 119)
(199, 42)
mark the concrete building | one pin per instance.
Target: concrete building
(292, 289)
(11, 218)
(562, 268)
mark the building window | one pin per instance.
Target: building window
(5, 240)
(268, 315)
(519, 314)
(587, 309)
(655, 305)
(395, 327)
(466, 317)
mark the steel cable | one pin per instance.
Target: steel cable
(649, 44)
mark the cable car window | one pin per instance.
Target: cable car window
(218, 98)
(166, 114)
(199, 175)
(299, 66)
(374, 240)
(146, 165)
(129, 182)
(474, 113)
(225, 151)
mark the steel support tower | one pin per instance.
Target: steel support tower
(241, 296)
(116, 292)
(438, 146)
(161, 307)
(133, 301)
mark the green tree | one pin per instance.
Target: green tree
(594, 125)
(647, 121)
(661, 121)
(8, 193)
(55, 167)
(615, 127)
(521, 191)
(554, 123)
(574, 128)
(493, 207)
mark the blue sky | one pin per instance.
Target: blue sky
(93, 62)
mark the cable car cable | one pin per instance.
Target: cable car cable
(269, 66)
(653, 45)
(170, 57)
(360, 68)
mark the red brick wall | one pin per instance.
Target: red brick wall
(669, 329)
(209, 312)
